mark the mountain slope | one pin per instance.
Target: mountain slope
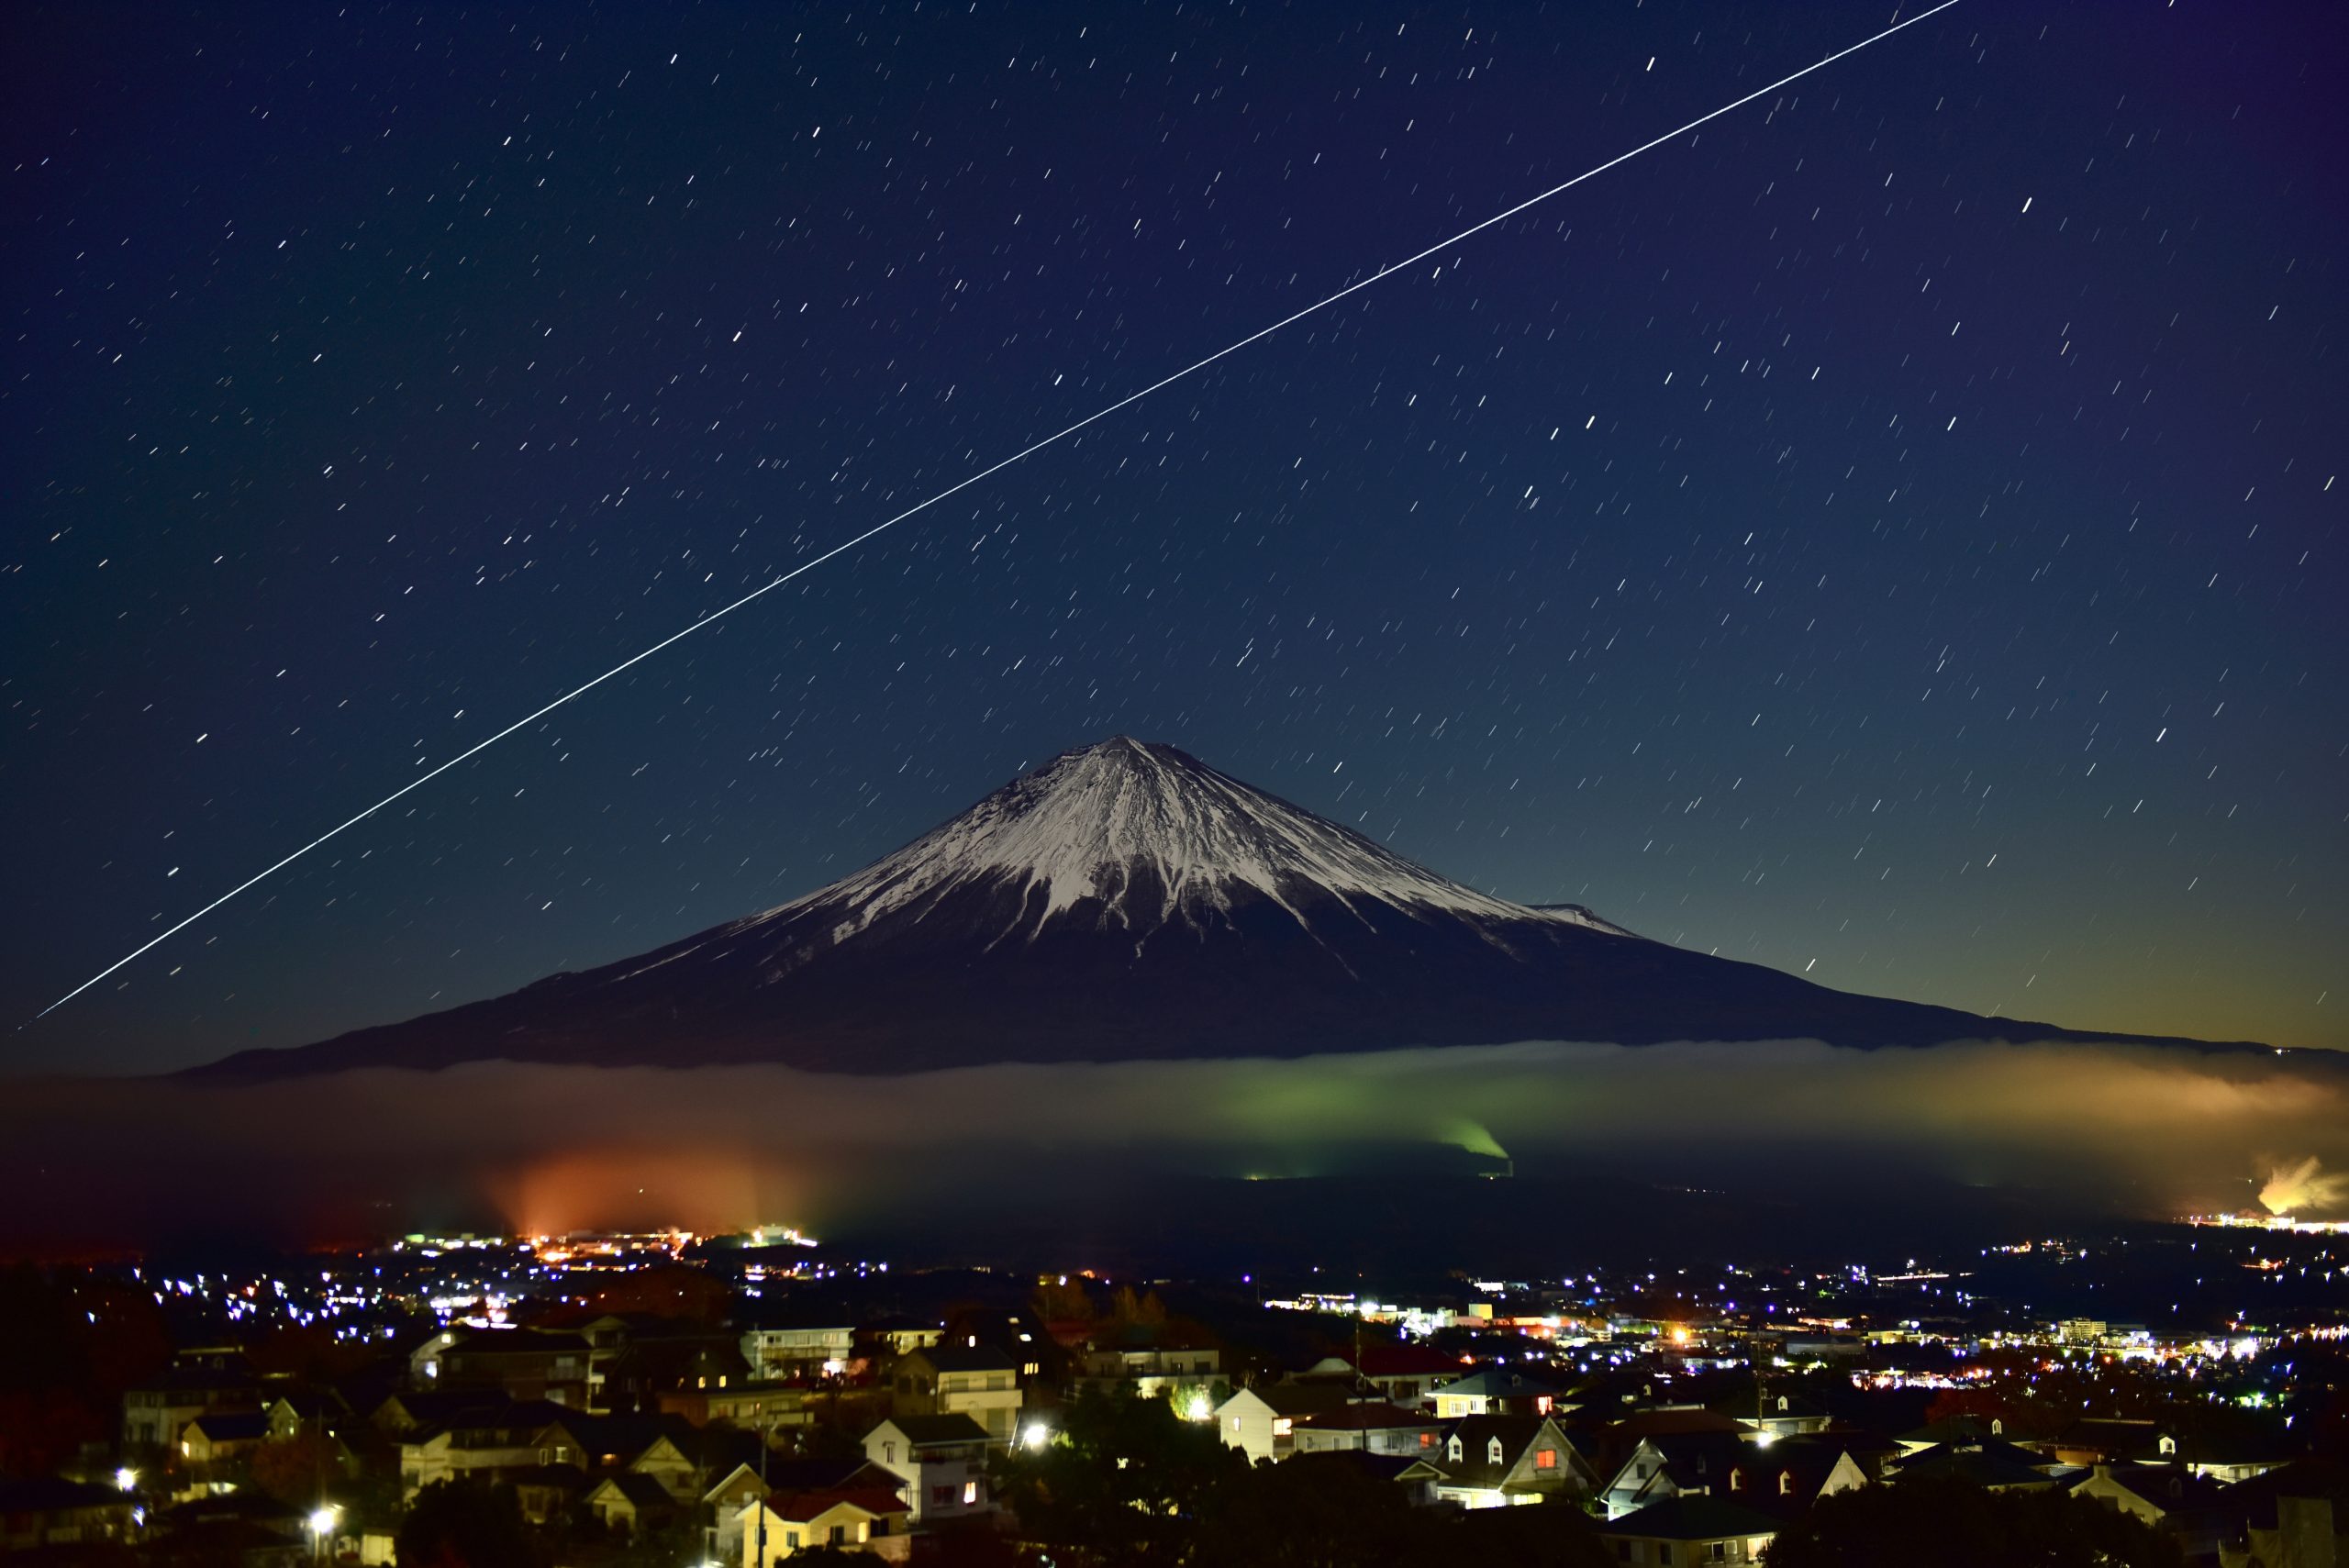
(1127, 901)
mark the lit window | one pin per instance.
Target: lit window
(970, 1493)
(1546, 1458)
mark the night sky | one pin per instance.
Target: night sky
(1890, 534)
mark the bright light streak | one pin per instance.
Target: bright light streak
(841, 548)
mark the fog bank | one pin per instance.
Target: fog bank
(2130, 1130)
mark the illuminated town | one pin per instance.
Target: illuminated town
(674, 1399)
(1209, 784)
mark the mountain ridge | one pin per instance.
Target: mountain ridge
(1123, 901)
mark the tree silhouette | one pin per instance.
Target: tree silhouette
(464, 1524)
(1950, 1524)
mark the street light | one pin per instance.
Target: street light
(126, 1479)
(322, 1518)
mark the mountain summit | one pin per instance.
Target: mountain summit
(1137, 837)
(1126, 901)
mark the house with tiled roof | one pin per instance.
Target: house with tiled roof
(48, 1511)
(977, 1381)
(1953, 1429)
(631, 1504)
(2193, 1510)
(1498, 1391)
(1407, 1375)
(1262, 1421)
(870, 1519)
(1679, 1531)
(157, 1411)
(2291, 1517)
(723, 1503)
(219, 1435)
(490, 1436)
(1993, 1465)
(1367, 1429)
(939, 1462)
(1489, 1462)
(1780, 1415)
(1781, 1476)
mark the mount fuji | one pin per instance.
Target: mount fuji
(1125, 901)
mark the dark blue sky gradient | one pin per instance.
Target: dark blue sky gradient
(1788, 544)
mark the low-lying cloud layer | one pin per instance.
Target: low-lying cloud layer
(2135, 1130)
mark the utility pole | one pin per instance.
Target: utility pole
(1361, 1433)
(764, 1437)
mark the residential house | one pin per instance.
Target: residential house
(632, 1503)
(754, 1407)
(1497, 1391)
(941, 1462)
(797, 1343)
(519, 1362)
(293, 1415)
(407, 1411)
(1492, 1462)
(685, 1460)
(1778, 1476)
(1407, 1375)
(1149, 1372)
(887, 1338)
(48, 1511)
(210, 1444)
(674, 1359)
(2297, 1532)
(2191, 1509)
(2094, 1440)
(493, 1438)
(1262, 1421)
(245, 1528)
(1953, 1429)
(549, 1494)
(1367, 1429)
(156, 1412)
(1415, 1475)
(977, 1381)
(606, 1442)
(2296, 1516)
(2227, 1458)
(1780, 1415)
(743, 1485)
(868, 1519)
(1683, 1532)
(1989, 1464)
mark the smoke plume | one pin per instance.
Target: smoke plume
(2292, 1189)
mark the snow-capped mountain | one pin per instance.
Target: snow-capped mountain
(1143, 838)
(1126, 901)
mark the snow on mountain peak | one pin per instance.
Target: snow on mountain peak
(1153, 835)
